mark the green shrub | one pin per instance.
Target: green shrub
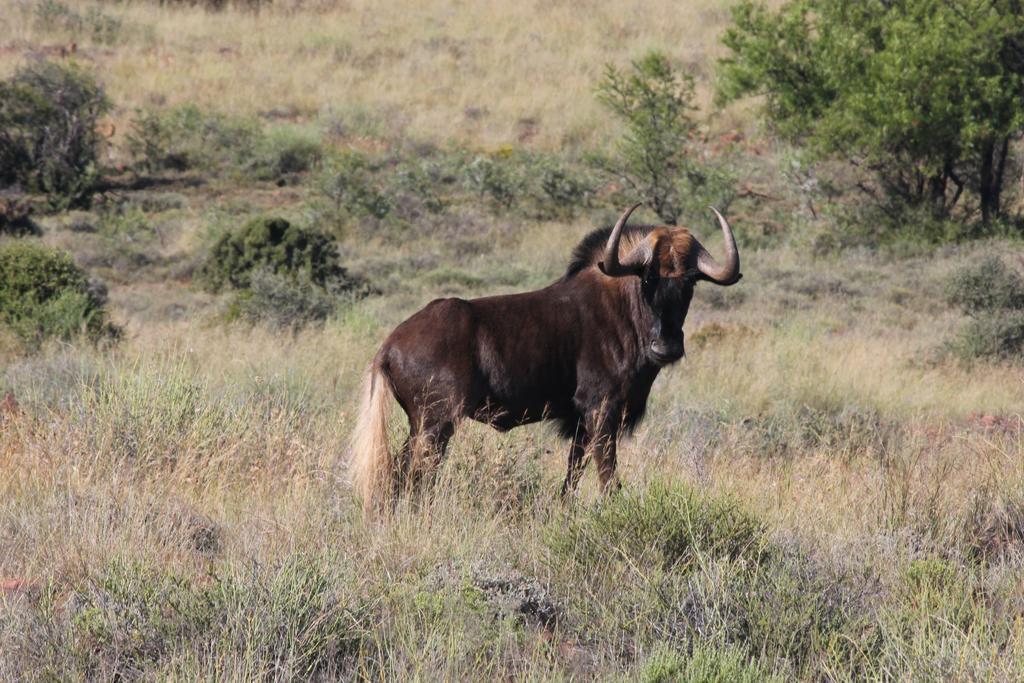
(283, 301)
(296, 619)
(128, 616)
(16, 217)
(219, 5)
(186, 138)
(997, 336)
(348, 182)
(494, 179)
(423, 183)
(989, 285)
(44, 294)
(284, 152)
(48, 138)
(95, 24)
(788, 607)
(562, 189)
(280, 272)
(993, 295)
(271, 244)
(669, 526)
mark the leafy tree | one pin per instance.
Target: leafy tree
(654, 156)
(925, 94)
(48, 137)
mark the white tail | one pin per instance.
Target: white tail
(371, 465)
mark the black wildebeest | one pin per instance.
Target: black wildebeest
(583, 351)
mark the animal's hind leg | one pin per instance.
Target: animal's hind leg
(404, 463)
(426, 449)
(577, 453)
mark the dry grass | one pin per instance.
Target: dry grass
(818, 491)
(192, 453)
(429, 70)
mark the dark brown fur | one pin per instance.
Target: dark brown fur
(583, 351)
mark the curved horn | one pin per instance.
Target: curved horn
(611, 265)
(729, 273)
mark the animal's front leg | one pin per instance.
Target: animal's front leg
(577, 461)
(605, 456)
(604, 429)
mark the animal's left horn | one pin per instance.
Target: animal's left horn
(721, 274)
(611, 264)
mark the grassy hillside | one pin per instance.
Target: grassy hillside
(820, 490)
(490, 73)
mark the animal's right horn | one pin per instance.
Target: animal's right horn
(721, 274)
(635, 260)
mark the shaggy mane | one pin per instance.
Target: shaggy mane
(590, 250)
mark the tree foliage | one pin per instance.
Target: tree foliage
(925, 94)
(48, 137)
(655, 155)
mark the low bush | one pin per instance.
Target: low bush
(94, 24)
(988, 285)
(44, 294)
(563, 189)
(283, 301)
(48, 137)
(275, 245)
(402, 191)
(666, 526)
(16, 217)
(494, 178)
(131, 620)
(682, 571)
(421, 186)
(298, 617)
(992, 294)
(185, 137)
(128, 616)
(219, 5)
(349, 183)
(280, 272)
(787, 606)
(704, 664)
(935, 623)
(995, 336)
(284, 152)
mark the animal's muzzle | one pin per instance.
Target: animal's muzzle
(665, 351)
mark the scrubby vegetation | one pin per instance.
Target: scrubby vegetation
(48, 137)
(184, 137)
(43, 294)
(187, 138)
(992, 294)
(280, 272)
(828, 487)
